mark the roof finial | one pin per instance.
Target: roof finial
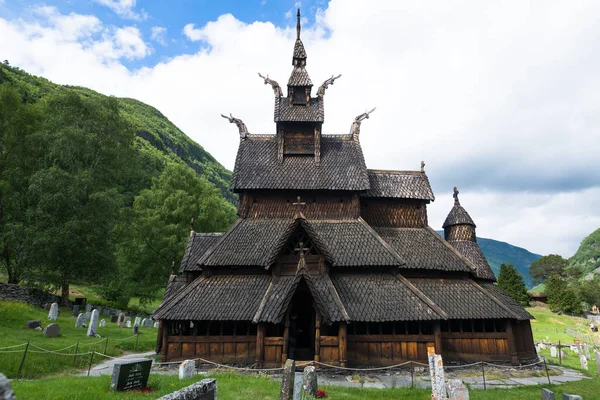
(173, 268)
(355, 128)
(298, 24)
(455, 195)
(239, 123)
(192, 224)
(422, 166)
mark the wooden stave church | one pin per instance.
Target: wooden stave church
(338, 254)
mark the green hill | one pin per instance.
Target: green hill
(587, 257)
(497, 252)
(157, 137)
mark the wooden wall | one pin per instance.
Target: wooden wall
(238, 349)
(523, 337)
(471, 346)
(394, 212)
(387, 349)
(273, 349)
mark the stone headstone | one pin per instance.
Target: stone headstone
(88, 308)
(6, 392)
(309, 382)
(436, 371)
(563, 353)
(33, 324)
(578, 347)
(542, 346)
(155, 324)
(143, 323)
(186, 369)
(571, 397)
(114, 318)
(128, 323)
(87, 315)
(206, 389)
(583, 361)
(127, 318)
(53, 313)
(80, 320)
(597, 356)
(102, 323)
(287, 382)
(137, 321)
(457, 390)
(52, 331)
(586, 351)
(147, 323)
(553, 351)
(93, 326)
(47, 306)
(76, 309)
(136, 329)
(547, 394)
(130, 375)
(120, 320)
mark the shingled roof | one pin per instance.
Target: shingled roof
(342, 166)
(203, 299)
(175, 284)
(457, 216)
(464, 299)
(399, 184)
(285, 111)
(198, 245)
(473, 253)
(422, 248)
(299, 77)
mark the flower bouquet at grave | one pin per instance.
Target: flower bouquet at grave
(147, 389)
(321, 394)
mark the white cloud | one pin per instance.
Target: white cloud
(124, 9)
(159, 34)
(500, 99)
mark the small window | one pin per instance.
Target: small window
(360, 328)
(330, 330)
(201, 328)
(274, 330)
(467, 325)
(374, 328)
(500, 325)
(387, 328)
(252, 328)
(241, 328)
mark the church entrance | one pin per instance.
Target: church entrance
(301, 342)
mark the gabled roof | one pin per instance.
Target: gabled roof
(342, 166)
(299, 77)
(423, 248)
(299, 51)
(473, 253)
(399, 184)
(198, 245)
(458, 216)
(287, 112)
(175, 284)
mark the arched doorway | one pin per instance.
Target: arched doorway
(301, 340)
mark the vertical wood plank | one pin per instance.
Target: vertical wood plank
(260, 344)
(317, 338)
(342, 343)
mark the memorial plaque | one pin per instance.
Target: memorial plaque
(130, 375)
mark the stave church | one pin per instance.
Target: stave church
(330, 261)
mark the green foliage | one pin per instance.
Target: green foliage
(562, 297)
(587, 257)
(541, 269)
(589, 291)
(511, 282)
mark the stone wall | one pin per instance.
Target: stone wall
(206, 389)
(24, 294)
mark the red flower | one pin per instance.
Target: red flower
(321, 394)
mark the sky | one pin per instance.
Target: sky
(501, 99)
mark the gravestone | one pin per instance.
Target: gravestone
(436, 371)
(33, 324)
(102, 323)
(88, 308)
(287, 382)
(128, 323)
(93, 327)
(578, 347)
(120, 320)
(206, 389)
(76, 309)
(563, 353)
(80, 320)
(586, 351)
(136, 329)
(53, 314)
(457, 390)
(597, 355)
(186, 369)
(553, 352)
(547, 394)
(155, 324)
(147, 323)
(571, 397)
(87, 315)
(143, 323)
(47, 306)
(137, 321)
(309, 382)
(130, 375)
(127, 318)
(52, 331)
(6, 392)
(583, 361)
(114, 318)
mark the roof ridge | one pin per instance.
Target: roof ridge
(491, 296)
(387, 246)
(421, 295)
(456, 252)
(336, 297)
(396, 171)
(263, 302)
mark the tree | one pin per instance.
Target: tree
(562, 297)
(511, 282)
(541, 269)
(87, 148)
(157, 232)
(589, 290)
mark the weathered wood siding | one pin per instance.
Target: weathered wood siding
(318, 205)
(467, 346)
(273, 349)
(238, 349)
(387, 349)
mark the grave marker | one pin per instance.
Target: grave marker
(137, 321)
(597, 354)
(186, 369)
(130, 375)
(33, 324)
(586, 351)
(457, 390)
(571, 397)
(155, 324)
(76, 308)
(547, 394)
(93, 327)
(436, 371)
(583, 361)
(53, 314)
(88, 308)
(114, 318)
(553, 352)
(128, 323)
(80, 320)
(6, 392)
(52, 331)
(120, 320)
(102, 323)
(287, 382)
(309, 382)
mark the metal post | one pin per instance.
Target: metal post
(547, 374)
(559, 353)
(75, 356)
(483, 372)
(90, 366)
(22, 361)
(137, 337)
(105, 345)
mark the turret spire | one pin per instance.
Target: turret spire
(298, 25)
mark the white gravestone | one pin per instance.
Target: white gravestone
(156, 324)
(80, 320)
(186, 369)
(128, 324)
(583, 361)
(553, 351)
(93, 327)
(138, 321)
(102, 323)
(436, 370)
(53, 314)
(586, 350)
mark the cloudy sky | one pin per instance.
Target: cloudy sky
(501, 99)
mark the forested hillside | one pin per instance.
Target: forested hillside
(587, 257)
(98, 190)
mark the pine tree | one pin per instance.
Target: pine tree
(511, 282)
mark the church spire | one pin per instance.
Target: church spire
(298, 25)
(299, 58)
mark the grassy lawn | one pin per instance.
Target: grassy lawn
(553, 326)
(13, 316)
(234, 387)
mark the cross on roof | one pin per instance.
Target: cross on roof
(455, 195)
(299, 204)
(301, 249)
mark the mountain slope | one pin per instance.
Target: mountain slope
(497, 252)
(157, 137)
(587, 257)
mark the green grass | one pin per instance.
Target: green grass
(13, 316)
(553, 326)
(234, 387)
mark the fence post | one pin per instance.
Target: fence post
(412, 377)
(22, 361)
(105, 345)
(90, 366)
(137, 337)
(75, 356)
(483, 372)
(547, 374)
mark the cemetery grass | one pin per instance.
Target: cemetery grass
(236, 386)
(549, 324)
(13, 316)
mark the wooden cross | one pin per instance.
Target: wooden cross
(299, 204)
(301, 249)
(455, 195)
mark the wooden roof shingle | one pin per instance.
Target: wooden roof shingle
(399, 184)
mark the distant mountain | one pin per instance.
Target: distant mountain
(497, 252)
(587, 257)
